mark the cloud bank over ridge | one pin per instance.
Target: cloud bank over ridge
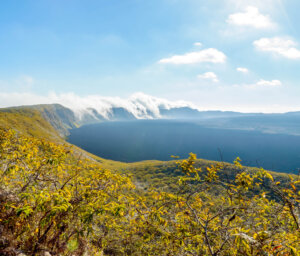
(143, 106)
(140, 105)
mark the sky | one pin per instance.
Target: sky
(218, 54)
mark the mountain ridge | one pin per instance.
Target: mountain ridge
(63, 118)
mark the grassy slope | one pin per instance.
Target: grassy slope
(61, 118)
(31, 121)
(164, 175)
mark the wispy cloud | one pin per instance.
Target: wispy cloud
(26, 80)
(207, 55)
(251, 17)
(278, 45)
(209, 76)
(271, 83)
(22, 98)
(23, 83)
(242, 70)
(198, 44)
(262, 84)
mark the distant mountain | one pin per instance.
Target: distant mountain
(91, 115)
(63, 119)
(287, 123)
(60, 117)
(120, 114)
(190, 113)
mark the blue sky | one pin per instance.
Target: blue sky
(229, 55)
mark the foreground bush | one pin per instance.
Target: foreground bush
(51, 201)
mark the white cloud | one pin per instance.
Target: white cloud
(209, 76)
(198, 44)
(242, 70)
(251, 17)
(207, 55)
(262, 84)
(272, 83)
(278, 45)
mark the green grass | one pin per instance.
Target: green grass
(28, 122)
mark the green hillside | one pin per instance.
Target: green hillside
(60, 118)
(28, 121)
